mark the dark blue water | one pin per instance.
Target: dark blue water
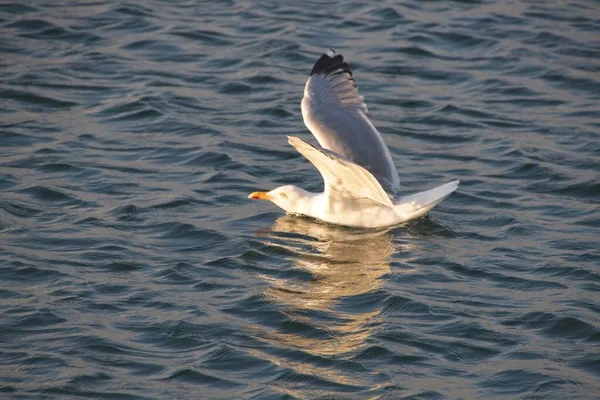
(133, 266)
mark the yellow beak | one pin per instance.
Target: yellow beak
(259, 196)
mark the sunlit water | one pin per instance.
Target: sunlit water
(133, 266)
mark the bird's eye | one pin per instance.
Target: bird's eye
(283, 195)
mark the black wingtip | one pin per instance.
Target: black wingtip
(328, 63)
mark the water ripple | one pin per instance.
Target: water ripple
(133, 265)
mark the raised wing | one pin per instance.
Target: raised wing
(342, 177)
(336, 114)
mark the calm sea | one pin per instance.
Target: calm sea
(132, 265)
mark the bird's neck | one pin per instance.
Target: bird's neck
(308, 204)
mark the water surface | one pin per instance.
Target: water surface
(133, 266)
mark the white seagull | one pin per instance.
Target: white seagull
(359, 173)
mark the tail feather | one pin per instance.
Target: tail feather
(418, 204)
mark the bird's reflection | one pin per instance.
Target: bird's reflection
(344, 264)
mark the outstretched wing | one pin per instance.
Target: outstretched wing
(342, 177)
(336, 114)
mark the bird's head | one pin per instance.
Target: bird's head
(289, 197)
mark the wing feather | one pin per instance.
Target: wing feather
(342, 177)
(336, 115)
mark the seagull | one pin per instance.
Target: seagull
(361, 180)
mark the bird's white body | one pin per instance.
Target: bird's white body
(360, 177)
(363, 213)
(359, 214)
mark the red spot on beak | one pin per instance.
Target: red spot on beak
(259, 196)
